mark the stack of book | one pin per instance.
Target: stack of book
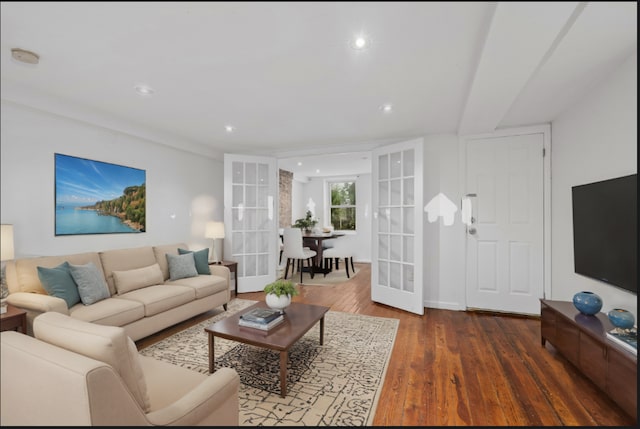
(627, 338)
(261, 318)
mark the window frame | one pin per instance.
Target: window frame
(329, 206)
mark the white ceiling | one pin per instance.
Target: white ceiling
(284, 74)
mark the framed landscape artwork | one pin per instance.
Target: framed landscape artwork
(93, 197)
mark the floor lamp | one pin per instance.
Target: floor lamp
(215, 230)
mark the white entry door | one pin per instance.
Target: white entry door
(505, 250)
(250, 219)
(396, 268)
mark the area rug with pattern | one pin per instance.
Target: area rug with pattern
(334, 384)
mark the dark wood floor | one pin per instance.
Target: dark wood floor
(464, 368)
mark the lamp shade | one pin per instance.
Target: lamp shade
(214, 230)
(6, 242)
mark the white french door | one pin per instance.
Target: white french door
(505, 242)
(250, 218)
(396, 268)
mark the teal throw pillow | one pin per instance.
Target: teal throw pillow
(91, 285)
(58, 282)
(181, 266)
(201, 257)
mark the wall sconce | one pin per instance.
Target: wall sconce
(215, 230)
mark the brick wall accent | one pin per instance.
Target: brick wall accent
(286, 180)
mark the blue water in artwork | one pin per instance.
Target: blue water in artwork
(72, 221)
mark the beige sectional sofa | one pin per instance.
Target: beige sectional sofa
(142, 298)
(74, 373)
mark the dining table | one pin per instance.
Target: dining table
(314, 240)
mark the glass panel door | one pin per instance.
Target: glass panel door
(250, 192)
(396, 272)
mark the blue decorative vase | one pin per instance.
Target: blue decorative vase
(587, 302)
(621, 318)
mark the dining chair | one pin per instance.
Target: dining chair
(294, 251)
(281, 232)
(336, 253)
(281, 241)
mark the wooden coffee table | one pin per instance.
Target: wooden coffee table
(298, 319)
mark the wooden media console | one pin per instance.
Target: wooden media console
(582, 340)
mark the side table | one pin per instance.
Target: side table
(233, 267)
(13, 319)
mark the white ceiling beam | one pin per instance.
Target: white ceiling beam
(519, 40)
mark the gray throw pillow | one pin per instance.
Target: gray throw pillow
(201, 257)
(91, 285)
(58, 282)
(181, 266)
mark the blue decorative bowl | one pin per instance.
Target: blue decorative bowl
(621, 318)
(587, 302)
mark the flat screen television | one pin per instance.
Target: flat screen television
(605, 231)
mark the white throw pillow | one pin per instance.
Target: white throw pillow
(126, 281)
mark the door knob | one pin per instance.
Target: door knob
(472, 231)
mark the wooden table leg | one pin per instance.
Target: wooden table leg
(319, 254)
(322, 331)
(235, 276)
(211, 357)
(23, 323)
(283, 373)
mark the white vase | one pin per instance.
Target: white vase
(278, 302)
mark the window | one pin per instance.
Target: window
(343, 205)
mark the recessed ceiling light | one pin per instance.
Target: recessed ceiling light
(317, 170)
(299, 163)
(144, 89)
(229, 128)
(360, 43)
(386, 108)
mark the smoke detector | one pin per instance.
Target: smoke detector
(24, 56)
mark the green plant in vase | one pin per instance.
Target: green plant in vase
(279, 293)
(307, 223)
(281, 287)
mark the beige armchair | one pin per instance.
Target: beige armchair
(79, 373)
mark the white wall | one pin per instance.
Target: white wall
(184, 190)
(595, 140)
(298, 200)
(316, 188)
(444, 251)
